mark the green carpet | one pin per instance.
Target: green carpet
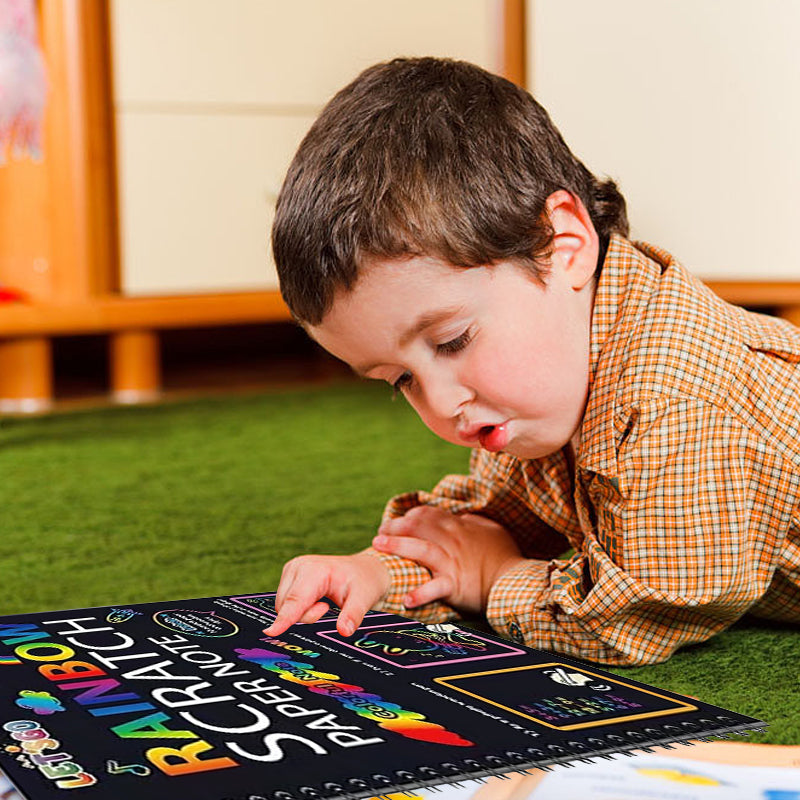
(212, 497)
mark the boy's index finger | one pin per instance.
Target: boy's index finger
(277, 627)
(291, 611)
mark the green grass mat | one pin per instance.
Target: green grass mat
(212, 497)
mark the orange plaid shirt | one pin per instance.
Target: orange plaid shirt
(683, 504)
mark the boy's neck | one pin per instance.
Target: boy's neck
(575, 441)
(601, 255)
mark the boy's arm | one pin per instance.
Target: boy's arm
(465, 554)
(687, 540)
(493, 491)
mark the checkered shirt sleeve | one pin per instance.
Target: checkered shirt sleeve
(685, 543)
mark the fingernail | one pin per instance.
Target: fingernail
(408, 601)
(380, 540)
(347, 628)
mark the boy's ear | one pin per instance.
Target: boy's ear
(576, 245)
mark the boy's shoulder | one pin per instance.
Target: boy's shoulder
(671, 336)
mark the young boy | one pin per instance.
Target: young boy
(435, 232)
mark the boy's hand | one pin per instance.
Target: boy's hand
(355, 583)
(465, 554)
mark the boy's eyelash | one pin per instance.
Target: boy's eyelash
(403, 381)
(445, 348)
(454, 345)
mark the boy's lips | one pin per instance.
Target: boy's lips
(493, 437)
(490, 437)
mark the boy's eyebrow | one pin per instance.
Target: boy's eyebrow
(426, 320)
(423, 321)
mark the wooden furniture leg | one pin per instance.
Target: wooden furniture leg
(135, 366)
(26, 375)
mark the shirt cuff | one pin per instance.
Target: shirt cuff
(402, 503)
(515, 595)
(405, 575)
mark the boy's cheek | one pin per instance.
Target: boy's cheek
(444, 429)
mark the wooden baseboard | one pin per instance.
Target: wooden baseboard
(110, 313)
(758, 293)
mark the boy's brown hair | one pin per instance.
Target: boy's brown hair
(425, 156)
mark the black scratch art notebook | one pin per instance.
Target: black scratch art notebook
(190, 699)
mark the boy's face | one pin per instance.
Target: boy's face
(487, 356)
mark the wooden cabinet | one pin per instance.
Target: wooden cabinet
(170, 124)
(169, 127)
(211, 101)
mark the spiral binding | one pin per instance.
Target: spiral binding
(608, 745)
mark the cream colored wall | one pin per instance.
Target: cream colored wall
(211, 101)
(694, 107)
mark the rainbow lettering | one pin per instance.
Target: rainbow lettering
(58, 766)
(96, 690)
(389, 716)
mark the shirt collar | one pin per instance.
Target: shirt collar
(629, 276)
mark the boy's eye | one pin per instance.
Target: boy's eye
(402, 382)
(454, 345)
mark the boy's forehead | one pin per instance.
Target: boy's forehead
(419, 284)
(392, 303)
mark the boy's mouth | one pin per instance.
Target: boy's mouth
(493, 437)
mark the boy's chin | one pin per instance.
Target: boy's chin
(529, 451)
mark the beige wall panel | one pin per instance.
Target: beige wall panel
(694, 107)
(277, 52)
(197, 196)
(212, 99)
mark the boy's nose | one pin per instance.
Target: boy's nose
(447, 398)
